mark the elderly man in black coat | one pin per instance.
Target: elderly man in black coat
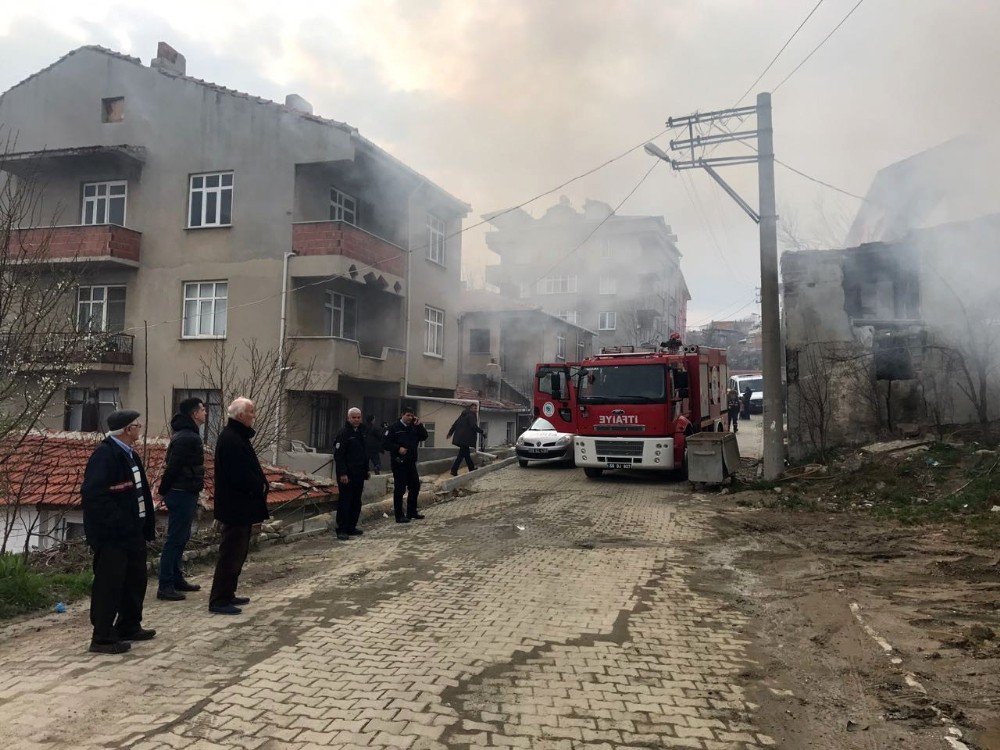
(466, 430)
(240, 502)
(351, 459)
(118, 521)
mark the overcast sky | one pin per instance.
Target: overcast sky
(498, 100)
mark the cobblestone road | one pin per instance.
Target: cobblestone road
(578, 631)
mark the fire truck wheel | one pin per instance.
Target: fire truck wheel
(522, 463)
(682, 473)
(592, 473)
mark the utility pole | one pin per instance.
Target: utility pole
(692, 148)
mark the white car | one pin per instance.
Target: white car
(544, 443)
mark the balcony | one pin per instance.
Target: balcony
(363, 256)
(103, 244)
(94, 352)
(332, 358)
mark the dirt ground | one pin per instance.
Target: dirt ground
(868, 634)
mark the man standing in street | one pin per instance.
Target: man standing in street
(401, 441)
(350, 455)
(373, 441)
(240, 502)
(747, 395)
(466, 430)
(183, 480)
(118, 521)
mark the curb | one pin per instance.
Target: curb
(455, 482)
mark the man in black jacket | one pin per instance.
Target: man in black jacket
(401, 441)
(351, 458)
(183, 480)
(118, 521)
(465, 430)
(240, 502)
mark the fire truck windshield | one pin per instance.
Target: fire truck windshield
(623, 384)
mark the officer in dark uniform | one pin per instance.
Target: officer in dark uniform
(401, 441)
(351, 459)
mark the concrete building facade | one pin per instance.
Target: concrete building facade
(180, 199)
(617, 275)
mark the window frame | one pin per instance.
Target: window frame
(198, 315)
(330, 307)
(601, 320)
(432, 325)
(204, 191)
(106, 199)
(436, 230)
(607, 285)
(569, 284)
(472, 341)
(431, 428)
(561, 347)
(212, 399)
(105, 303)
(339, 209)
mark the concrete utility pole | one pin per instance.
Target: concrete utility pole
(774, 433)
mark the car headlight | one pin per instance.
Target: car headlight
(565, 440)
(520, 441)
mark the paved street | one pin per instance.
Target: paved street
(544, 610)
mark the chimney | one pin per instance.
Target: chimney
(296, 102)
(168, 60)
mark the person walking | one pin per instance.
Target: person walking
(118, 521)
(466, 431)
(350, 456)
(183, 480)
(733, 409)
(401, 441)
(240, 502)
(747, 395)
(373, 443)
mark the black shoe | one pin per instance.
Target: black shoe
(355, 532)
(170, 595)
(416, 516)
(141, 634)
(343, 536)
(239, 601)
(185, 586)
(224, 609)
(454, 473)
(402, 519)
(116, 647)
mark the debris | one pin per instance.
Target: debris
(853, 726)
(519, 527)
(892, 446)
(933, 462)
(60, 608)
(385, 515)
(995, 509)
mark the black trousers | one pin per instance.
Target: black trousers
(233, 551)
(119, 589)
(734, 420)
(464, 452)
(349, 503)
(405, 480)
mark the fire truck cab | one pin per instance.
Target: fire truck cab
(555, 394)
(635, 408)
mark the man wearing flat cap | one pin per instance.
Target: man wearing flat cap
(118, 521)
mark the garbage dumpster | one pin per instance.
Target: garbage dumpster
(712, 457)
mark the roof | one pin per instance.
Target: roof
(489, 404)
(350, 129)
(47, 469)
(479, 300)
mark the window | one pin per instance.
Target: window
(340, 315)
(524, 290)
(104, 203)
(511, 432)
(211, 200)
(560, 347)
(479, 341)
(608, 285)
(623, 384)
(100, 309)
(327, 419)
(87, 409)
(205, 305)
(113, 109)
(606, 321)
(557, 285)
(435, 239)
(607, 252)
(215, 417)
(569, 316)
(343, 207)
(434, 331)
(431, 429)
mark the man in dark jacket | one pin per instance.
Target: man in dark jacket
(373, 442)
(465, 430)
(240, 502)
(747, 395)
(350, 455)
(118, 521)
(401, 441)
(183, 480)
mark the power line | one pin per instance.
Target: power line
(842, 22)
(775, 58)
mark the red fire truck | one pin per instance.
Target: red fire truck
(555, 394)
(636, 408)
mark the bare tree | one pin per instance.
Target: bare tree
(811, 381)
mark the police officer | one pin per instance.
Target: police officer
(401, 441)
(351, 459)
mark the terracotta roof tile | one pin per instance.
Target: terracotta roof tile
(471, 394)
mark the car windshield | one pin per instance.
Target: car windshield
(755, 384)
(623, 384)
(542, 424)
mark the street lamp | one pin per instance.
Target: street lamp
(653, 150)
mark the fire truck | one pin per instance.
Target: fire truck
(555, 394)
(636, 408)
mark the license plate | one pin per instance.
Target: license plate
(619, 466)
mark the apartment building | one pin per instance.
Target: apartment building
(617, 275)
(195, 212)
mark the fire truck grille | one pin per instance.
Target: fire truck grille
(619, 448)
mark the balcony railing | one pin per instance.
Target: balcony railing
(341, 238)
(44, 351)
(91, 243)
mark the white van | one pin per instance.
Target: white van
(756, 383)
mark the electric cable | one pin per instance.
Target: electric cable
(816, 48)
